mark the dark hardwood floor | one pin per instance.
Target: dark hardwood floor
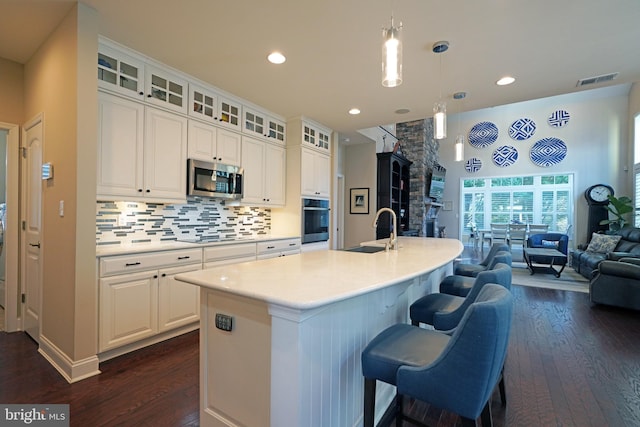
(568, 365)
(155, 386)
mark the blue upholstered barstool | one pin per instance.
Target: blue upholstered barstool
(472, 270)
(456, 372)
(444, 311)
(461, 285)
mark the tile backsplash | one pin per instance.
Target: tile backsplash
(138, 222)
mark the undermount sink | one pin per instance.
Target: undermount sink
(366, 249)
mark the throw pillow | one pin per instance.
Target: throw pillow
(603, 243)
(551, 244)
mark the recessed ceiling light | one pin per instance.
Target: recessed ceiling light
(507, 80)
(402, 111)
(276, 58)
(354, 111)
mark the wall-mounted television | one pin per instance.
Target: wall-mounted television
(436, 182)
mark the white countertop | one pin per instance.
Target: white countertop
(135, 248)
(318, 278)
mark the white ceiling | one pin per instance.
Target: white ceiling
(333, 49)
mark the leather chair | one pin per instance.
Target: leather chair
(461, 285)
(444, 311)
(456, 372)
(617, 283)
(472, 270)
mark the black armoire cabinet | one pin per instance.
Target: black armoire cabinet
(393, 192)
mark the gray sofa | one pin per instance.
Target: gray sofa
(617, 283)
(586, 263)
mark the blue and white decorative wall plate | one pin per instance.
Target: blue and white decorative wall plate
(522, 129)
(505, 155)
(559, 118)
(473, 165)
(548, 152)
(483, 134)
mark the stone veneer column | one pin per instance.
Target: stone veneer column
(419, 146)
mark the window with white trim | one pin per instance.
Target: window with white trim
(537, 199)
(636, 170)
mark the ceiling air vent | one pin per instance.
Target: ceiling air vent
(597, 79)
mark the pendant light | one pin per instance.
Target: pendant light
(440, 107)
(391, 56)
(459, 145)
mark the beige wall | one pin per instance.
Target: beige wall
(57, 83)
(360, 171)
(634, 110)
(11, 95)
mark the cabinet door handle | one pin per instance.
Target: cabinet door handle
(131, 264)
(270, 247)
(140, 93)
(35, 245)
(292, 244)
(155, 276)
(184, 257)
(164, 274)
(139, 190)
(148, 191)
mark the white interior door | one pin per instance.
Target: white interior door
(32, 179)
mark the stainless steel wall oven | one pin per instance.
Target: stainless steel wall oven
(315, 220)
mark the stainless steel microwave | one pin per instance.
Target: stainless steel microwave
(215, 180)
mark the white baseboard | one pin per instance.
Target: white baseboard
(71, 370)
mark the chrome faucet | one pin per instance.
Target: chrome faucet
(393, 239)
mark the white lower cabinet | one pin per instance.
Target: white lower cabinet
(178, 302)
(215, 256)
(128, 308)
(278, 248)
(148, 301)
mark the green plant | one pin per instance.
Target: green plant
(619, 207)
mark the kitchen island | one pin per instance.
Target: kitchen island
(297, 327)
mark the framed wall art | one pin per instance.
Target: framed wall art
(359, 201)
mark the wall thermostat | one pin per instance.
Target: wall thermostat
(47, 171)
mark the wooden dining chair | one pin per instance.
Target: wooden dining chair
(517, 234)
(538, 229)
(499, 233)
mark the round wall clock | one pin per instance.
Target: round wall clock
(598, 194)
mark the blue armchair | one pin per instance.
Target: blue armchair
(548, 240)
(444, 311)
(472, 270)
(461, 285)
(457, 372)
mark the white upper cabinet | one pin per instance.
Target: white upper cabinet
(203, 103)
(315, 173)
(212, 144)
(316, 137)
(142, 152)
(120, 146)
(165, 155)
(261, 124)
(229, 113)
(165, 89)
(264, 172)
(120, 72)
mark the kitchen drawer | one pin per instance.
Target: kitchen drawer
(122, 264)
(222, 252)
(285, 245)
(229, 261)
